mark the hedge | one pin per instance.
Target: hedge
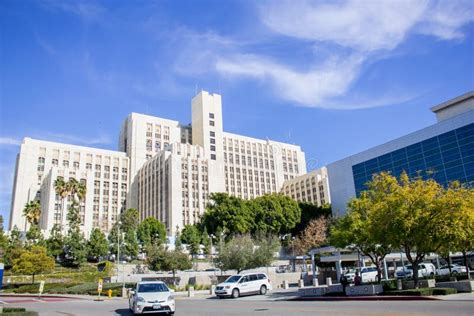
(423, 292)
(17, 311)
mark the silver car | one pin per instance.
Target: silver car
(151, 297)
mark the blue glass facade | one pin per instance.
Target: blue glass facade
(447, 157)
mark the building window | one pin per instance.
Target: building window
(213, 134)
(213, 156)
(211, 123)
(213, 148)
(213, 141)
(211, 115)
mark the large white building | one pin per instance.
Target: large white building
(40, 163)
(163, 168)
(312, 187)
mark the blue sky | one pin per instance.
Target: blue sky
(335, 77)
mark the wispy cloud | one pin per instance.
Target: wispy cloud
(84, 9)
(9, 141)
(358, 32)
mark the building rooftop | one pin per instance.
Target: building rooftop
(456, 101)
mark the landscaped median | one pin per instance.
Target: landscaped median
(89, 288)
(16, 311)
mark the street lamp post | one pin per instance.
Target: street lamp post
(212, 259)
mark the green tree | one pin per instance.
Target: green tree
(97, 245)
(55, 242)
(34, 236)
(14, 248)
(458, 237)
(32, 212)
(206, 241)
(160, 259)
(130, 244)
(75, 248)
(3, 239)
(130, 220)
(113, 239)
(61, 188)
(192, 238)
(151, 231)
(33, 261)
(275, 214)
(230, 213)
(178, 245)
(243, 253)
(414, 214)
(359, 229)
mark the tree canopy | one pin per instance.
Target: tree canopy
(151, 231)
(97, 245)
(192, 238)
(33, 261)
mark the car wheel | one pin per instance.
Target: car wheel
(235, 293)
(263, 290)
(455, 272)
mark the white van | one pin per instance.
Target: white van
(424, 270)
(368, 274)
(244, 284)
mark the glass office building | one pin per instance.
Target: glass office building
(443, 151)
(445, 158)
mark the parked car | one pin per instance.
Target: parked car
(368, 274)
(151, 297)
(424, 270)
(244, 284)
(350, 275)
(455, 269)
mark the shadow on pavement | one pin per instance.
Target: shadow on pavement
(123, 312)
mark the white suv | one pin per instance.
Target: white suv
(368, 274)
(424, 270)
(244, 284)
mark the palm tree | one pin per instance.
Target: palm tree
(62, 189)
(32, 212)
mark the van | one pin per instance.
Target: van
(244, 284)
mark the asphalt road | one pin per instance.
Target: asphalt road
(256, 305)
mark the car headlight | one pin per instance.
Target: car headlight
(170, 298)
(227, 287)
(140, 299)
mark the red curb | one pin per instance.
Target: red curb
(40, 297)
(366, 298)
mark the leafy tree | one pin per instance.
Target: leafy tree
(308, 213)
(97, 245)
(206, 241)
(177, 240)
(113, 239)
(55, 242)
(75, 246)
(192, 238)
(14, 248)
(313, 236)
(151, 231)
(3, 239)
(413, 214)
(129, 220)
(131, 244)
(274, 214)
(460, 202)
(33, 261)
(243, 253)
(230, 213)
(160, 259)
(34, 236)
(359, 230)
(32, 212)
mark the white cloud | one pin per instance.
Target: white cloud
(9, 141)
(359, 32)
(361, 25)
(306, 88)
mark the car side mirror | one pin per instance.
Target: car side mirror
(171, 290)
(132, 292)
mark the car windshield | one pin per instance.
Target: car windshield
(152, 287)
(233, 279)
(409, 267)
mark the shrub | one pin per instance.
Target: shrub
(423, 292)
(389, 285)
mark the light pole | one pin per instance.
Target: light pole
(212, 259)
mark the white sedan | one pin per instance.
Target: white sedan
(151, 297)
(455, 269)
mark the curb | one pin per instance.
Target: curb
(366, 298)
(43, 295)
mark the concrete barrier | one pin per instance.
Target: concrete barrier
(191, 291)
(301, 283)
(328, 281)
(408, 285)
(461, 286)
(212, 289)
(320, 290)
(286, 285)
(315, 282)
(363, 290)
